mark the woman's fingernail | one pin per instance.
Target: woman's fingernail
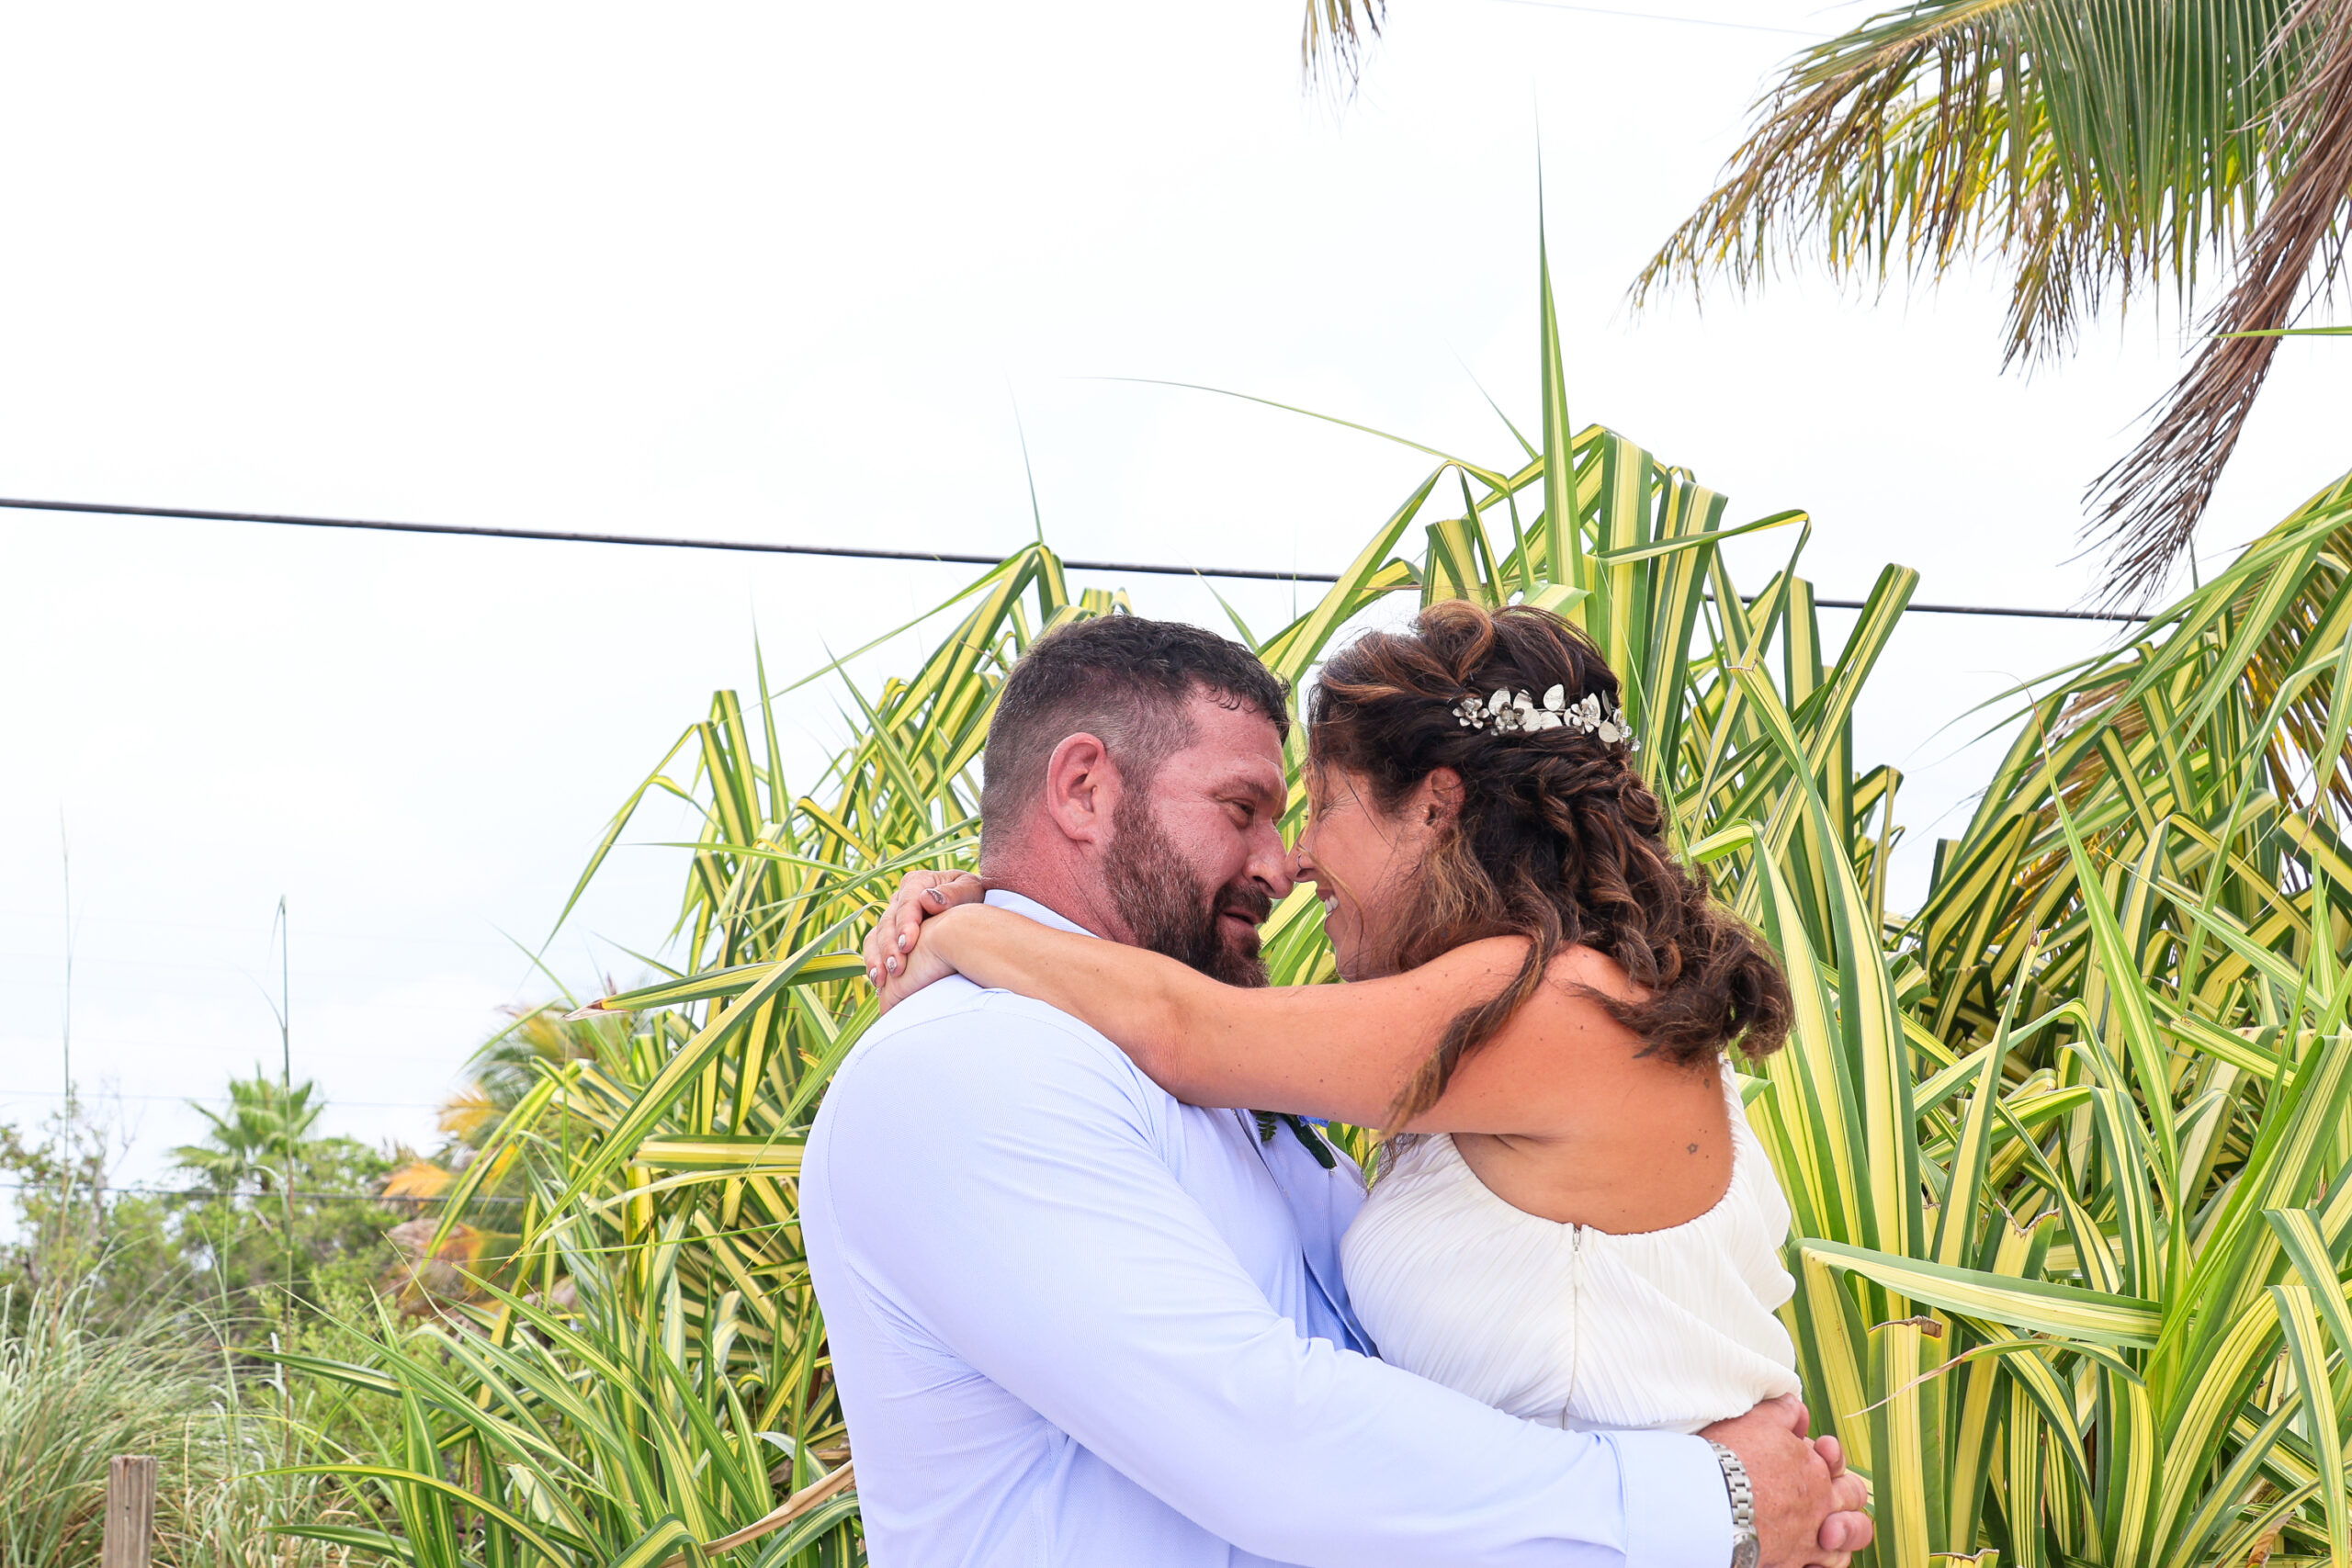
(903, 941)
(891, 964)
(934, 895)
(874, 976)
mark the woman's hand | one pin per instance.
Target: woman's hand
(894, 965)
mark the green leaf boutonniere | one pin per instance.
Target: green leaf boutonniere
(1311, 1140)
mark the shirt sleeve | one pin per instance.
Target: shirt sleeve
(997, 1177)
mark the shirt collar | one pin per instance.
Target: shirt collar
(1021, 904)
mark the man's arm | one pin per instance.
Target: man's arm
(995, 1176)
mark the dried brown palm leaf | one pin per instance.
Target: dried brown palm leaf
(2150, 501)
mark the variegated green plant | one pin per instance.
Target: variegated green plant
(2067, 1148)
(2055, 1310)
(601, 1427)
(2208, 752)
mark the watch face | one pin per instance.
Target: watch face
(1746, 1550)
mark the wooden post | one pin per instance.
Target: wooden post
(130, 1511)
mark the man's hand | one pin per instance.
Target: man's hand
(1809, 1510)
(895, 964)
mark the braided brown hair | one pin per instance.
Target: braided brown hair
(1556, 840)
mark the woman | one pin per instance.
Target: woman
(1576, 1224)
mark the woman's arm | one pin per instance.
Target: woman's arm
(1343, 1051)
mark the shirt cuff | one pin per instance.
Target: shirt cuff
(1678, 1510)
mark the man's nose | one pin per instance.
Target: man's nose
(1270, 864)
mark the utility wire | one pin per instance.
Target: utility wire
(853, 552)
(213, 1100)
(307, 1197)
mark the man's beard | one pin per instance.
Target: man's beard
(1167, 910)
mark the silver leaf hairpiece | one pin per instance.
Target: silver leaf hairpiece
(1509, 713)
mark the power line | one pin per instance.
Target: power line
(853, 552)
(307, 1197)
(655, 540)
(208, 1099)
(372, 939)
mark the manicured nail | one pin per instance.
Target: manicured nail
(874, 976)
(891, 964)
(934, 895)
(903, 941)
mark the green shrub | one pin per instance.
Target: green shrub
(79, 1386)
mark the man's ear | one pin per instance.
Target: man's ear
(1082, 789)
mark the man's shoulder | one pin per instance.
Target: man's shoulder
(952, 1027)
(950, 1081)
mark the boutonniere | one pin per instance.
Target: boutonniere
(1311, 1140)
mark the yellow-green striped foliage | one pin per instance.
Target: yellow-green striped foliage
(2067, 1148)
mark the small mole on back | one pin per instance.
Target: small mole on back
(1694, 1148)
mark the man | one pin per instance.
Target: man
(1076, 1322)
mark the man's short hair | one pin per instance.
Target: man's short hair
(1124, 680)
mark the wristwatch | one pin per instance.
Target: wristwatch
(1746, 1548)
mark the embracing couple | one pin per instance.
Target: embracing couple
(1098, 1291)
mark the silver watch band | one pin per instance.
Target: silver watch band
(1745, 1547)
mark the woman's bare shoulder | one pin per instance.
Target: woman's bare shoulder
(1538, 1075)
(1577, 971)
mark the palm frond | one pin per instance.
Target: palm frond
(1332, 43)
(2095, 149)
(2150, 501)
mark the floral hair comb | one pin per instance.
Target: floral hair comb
(1509, 713)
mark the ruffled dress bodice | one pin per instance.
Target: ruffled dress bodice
(1663, 1330)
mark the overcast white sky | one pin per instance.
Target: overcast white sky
(781, 271)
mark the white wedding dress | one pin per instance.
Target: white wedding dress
(1662, 1331)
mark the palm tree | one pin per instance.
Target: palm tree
(252, 1147)
(2096, 148)
(503, 1071)
(440, 1260)
(274, 1207)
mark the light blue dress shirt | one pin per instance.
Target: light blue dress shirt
(1077, 1323)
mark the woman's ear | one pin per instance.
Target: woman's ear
(1438, 798)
